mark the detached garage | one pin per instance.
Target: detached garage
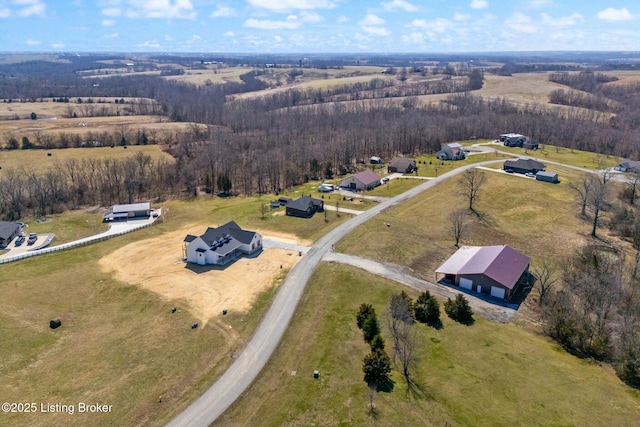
(489, 270)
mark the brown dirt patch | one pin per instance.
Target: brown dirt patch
(156, 264)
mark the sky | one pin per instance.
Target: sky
(322, 26)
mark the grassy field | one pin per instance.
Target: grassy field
(579, 158)
(513, 210)
(430, 166)
(118, 345)
(487, 374)
(38, 160)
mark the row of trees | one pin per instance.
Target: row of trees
(402, 315)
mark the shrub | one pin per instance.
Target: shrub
(459, 309)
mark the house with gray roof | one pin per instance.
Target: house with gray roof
(523, 166)
(490, 270)
(8, 230)
(128, 211)
(220, 246)
(304, 207)
(401, 165)
(628, 166)
(365, 180)
(451, 151)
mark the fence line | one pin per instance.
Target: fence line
(71, 245)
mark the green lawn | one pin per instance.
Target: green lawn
(513, 210)
(487, 374)
(430, 166)
(118, 344)
(567, 156)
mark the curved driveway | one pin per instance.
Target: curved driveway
(239, 376)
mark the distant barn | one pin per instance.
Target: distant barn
(121, 212)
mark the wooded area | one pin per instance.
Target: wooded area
(271, 142)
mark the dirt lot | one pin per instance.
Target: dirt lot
(156, 264)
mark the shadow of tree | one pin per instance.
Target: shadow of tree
(386, 385)
(436, 325)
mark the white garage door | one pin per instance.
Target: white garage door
(497, 292)
(466, 283)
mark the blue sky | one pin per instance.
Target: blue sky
(281, 26)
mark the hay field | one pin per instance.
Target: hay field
(38, 159)
(211, 74)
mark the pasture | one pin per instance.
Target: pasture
(120, 344)
(39, 160)
(487, 374)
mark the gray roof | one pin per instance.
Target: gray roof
(131, 207)
(528, 164)
(302, 204)
(501, 263)
(8, 229)
(402, 162)
(367, 177)
(548, 174)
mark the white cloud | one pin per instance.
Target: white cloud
(278, 39)
(479, 4)
(168, 37)
(413, 39)
(371, 19)
(378, 31)
(112, 11)
(229, 34)
(35, 8)
(537, 4)
(418, 23)
(372, 24)
(167, 9)
(520, 23)
(222, 11)
(311, 17)
(399, 4)
(111, 35)
(57, 45)
(611, 14)
(150, 43)
(563, 21)
(5, 12)
(341, 19)
(266, 24)
(33, 42)
(108, 22)
(461, 17)
(286, 5)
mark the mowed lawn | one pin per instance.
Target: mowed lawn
(119, 344)
(487, 374)
(537, 218)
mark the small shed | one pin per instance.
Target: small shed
(547, 177)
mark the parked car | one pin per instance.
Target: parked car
(19, 240)
(529, 174)
(385, 179)
(32, 238)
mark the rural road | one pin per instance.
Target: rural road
(239, 376)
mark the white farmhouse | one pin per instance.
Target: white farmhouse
(221, 245)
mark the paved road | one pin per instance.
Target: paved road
(208, 407)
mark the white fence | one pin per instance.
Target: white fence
(74, 244)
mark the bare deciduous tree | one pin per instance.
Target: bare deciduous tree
(546, 278)
(458, 224)
(598, 198)
(471, 183)
(583, 187)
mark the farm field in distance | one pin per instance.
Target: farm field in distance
(122, 344)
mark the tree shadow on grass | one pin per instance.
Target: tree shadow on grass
(417, 390)
(436, 324)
